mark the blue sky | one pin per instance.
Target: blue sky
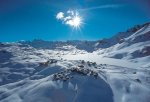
(36, 19)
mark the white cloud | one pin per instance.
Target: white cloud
(70, 22)
(71, 18)
(60, 15)
(70, 12)
(67, 18)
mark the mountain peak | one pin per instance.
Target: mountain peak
(137, 27)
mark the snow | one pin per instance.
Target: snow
(77, 71)
(102, 60)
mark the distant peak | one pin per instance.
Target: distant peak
(137, 27)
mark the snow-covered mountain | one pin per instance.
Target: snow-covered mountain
(108, 70)
(135, 43)
(137, 37)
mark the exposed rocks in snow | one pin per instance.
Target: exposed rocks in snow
(81, 66)
(82, 61)
(47, 63)
(68, 74)
(138, 80)
(134, 72)
(91, 63)
(61, 76)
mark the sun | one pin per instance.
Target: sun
(76, 21)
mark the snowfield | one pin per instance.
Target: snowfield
(108, 70)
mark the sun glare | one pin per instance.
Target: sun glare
(76, 21)
(71, 18)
